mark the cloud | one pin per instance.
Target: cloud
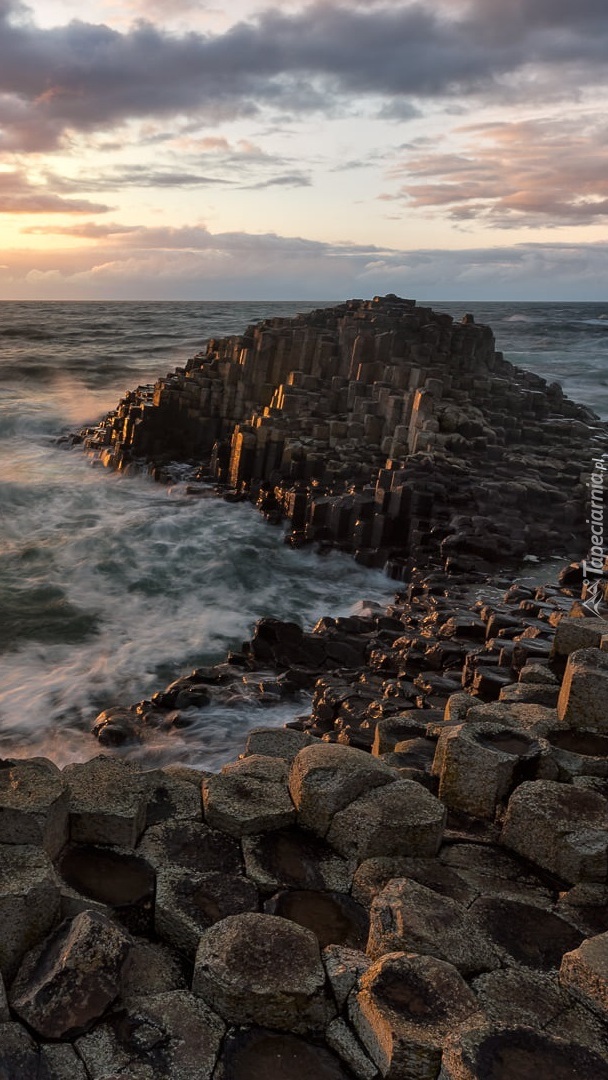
(528, 173)
(19, 195)
(86, 77)
(193, 263)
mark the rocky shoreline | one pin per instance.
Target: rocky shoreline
(411, 880)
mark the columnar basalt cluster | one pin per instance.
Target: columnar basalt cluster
(318, 910)
(379, 426)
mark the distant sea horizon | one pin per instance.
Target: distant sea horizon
(109, 586)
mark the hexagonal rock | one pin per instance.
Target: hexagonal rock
(407, 917)
(574, 634)
(249, 796)
(172, 797)
(341, 1039)
(262, 969)
(277, 742)
(479, 764)
(33, 804)
(583, 698)
(520, 997)
(526, 717)
(4, 1015)
(584, 973)
(402, 818)
(324, 778)
(344, 967)
(118, 882)
(20, 1057)
(491, 871)
(172, 1035)
(294, 859)
(108, 799)
(373, 875)
(499, 1052)
(152, 968)
(559, 827)
(29, 903)
(405, 1008)
(188, 903)
(191, 845)
(334, 918)
(65, 985)
(60, 1062)
(525, 934)
(258, 1054)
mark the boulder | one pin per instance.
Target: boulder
(277, 742)
(108, 800)
(262, 969)
(559, 827)
(249, 796)
(171, 1035)
(584, 973)
(583, 698)
(29, 902)
(324, 779)
(402, 818)
(407, 917)
(574, 634)
(500, 1052)
(66, 984)
(405, 1008)
(258, 1054)
(33, 804)
(479, 763)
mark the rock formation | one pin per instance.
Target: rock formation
(378, 426)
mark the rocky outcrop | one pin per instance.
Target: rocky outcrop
(379, 426)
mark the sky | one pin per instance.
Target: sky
(173, 149)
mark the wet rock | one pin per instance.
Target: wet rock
(33, 804)
(165, 1035)
(499, 1052)
(402, 818)
(188, 903)
(479, 763)
(249, 796)
(258, 1054)
(584, 692)
(295, 859)
(334, 918)
(325, 779)
(117, 879)
(584, 973)
(561, 828)
(406, 1007)
(344, 967)
(108, 798)
(64, 986)
(29, 903)
(408, 917)
(265, 970)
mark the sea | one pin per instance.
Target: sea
(112, 586)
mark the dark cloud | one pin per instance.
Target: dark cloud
(86, 76)
(528, 173)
